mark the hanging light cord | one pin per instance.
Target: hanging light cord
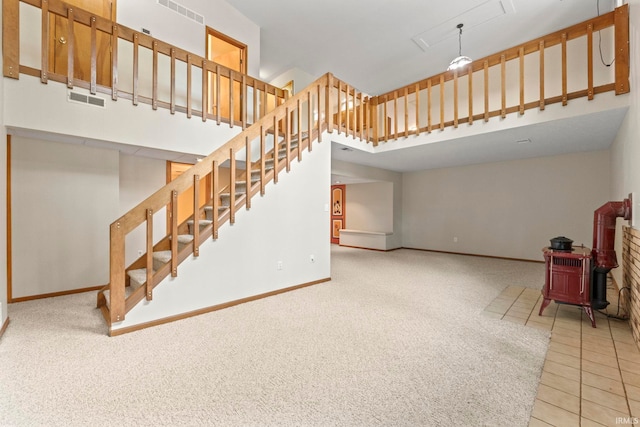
(600, 41)
(460, 40)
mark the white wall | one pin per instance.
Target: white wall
(379, 175)
(3, 204)
(369, 206)
(625, 150)
(173, 28)
(506, 209)
(288, 224)
(45, 108)
(301, 79)
(139, 178)
(63, 199)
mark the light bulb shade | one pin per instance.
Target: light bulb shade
(459, 62)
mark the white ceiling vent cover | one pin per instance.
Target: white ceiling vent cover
(80, 98)
(182, 10)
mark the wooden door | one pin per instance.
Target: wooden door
(230, 53)
(338, 216)
(58, 44)
(185, 200)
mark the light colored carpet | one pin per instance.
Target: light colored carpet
(395, 339)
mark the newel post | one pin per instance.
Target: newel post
(621, 23)
(116, 273)
(11, 38)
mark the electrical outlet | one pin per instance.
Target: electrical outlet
(455, 240)
(312, 258)
(279, 265)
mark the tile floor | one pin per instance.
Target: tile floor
(591, 377)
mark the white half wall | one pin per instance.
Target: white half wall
(506, 209)
(63, 199)
(288, 225)
(369, 206)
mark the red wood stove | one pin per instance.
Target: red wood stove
(568, 278)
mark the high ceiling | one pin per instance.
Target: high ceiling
(380, 45)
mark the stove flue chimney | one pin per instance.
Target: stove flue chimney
(603, 253)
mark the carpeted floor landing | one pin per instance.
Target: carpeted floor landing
(395, 339)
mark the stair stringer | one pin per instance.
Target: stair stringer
(288, 225)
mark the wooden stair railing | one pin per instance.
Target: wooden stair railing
(278, 141)
(168, 88)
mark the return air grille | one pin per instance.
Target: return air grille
(81, 98)
(567, 262)
(178, 8)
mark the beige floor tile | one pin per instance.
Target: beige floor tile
(600, 369)
(635, 408)
(513, 290)
(619, 324)
(628, 348)
(628, 366)
(514, 319)
(626, 355)
(622, 335)
(542, 320)
(600, 349)
(538, 325)
(597, 341)
(496, 309)
(631, 378)
(588, 423)
(606, 360)
(560, 383)
(604, 398)
(565, 349)
(601, 331)
(563, 339)
(559, 398)
(562, 370)
(633, 392)
(601, 414)
(516, 313)
(564, 359)
(563, 331)
(603, 383)
(534, 422)
(492, 315)
(568, 324)
(553, 415)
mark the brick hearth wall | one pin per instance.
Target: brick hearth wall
(631, 277)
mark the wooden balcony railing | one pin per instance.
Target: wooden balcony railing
(555, 68)
(99, 55)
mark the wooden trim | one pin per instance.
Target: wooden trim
(57, 294)
(126, 330)
(621, 22)
(368, 249)
(9, 222)
(11, 38)
(474, 255)
(5, 325)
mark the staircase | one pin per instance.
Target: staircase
(139, 280)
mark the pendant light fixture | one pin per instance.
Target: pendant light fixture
(460, 61)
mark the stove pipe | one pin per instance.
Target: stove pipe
(603, 253)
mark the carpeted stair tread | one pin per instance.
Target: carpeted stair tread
(184, 239)
(163, 256)
(138, 277)
(201, 223)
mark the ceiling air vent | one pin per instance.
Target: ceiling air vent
(178, 8)
(81, 98)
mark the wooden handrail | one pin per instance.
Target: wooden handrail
(387, 103)
(79, 17)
